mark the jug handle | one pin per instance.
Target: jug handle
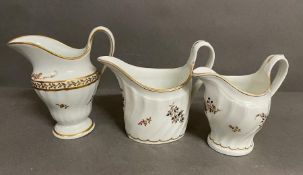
(110, 37)
(267, 66)
(192, 60)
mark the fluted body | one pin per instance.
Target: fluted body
(153, 117)
(234, 118)
(238, 106)
(156, 101)
(65, 79)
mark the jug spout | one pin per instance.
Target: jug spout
(47, 51)
(37, 48)
(255, 84)
(120, 68)
(210, 78)
(46, 54)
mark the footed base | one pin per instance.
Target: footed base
(154, 142)
(74, 131)
(228, 150)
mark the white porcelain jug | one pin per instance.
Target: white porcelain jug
(156, 101)
(237, 106)
(65, 79)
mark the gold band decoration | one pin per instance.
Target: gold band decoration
(72, 135)
(66, 84)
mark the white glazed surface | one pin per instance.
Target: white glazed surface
(156, 101)
(73, 118)
(141, 105)
(234, 112)
(65, 79)
(237, 106)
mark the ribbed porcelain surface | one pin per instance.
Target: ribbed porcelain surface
(160, 126)
(238, 106)
(65, 79)
(234, 120)
(156, 101)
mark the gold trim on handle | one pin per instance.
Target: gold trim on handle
(109, 35)
(66, 84)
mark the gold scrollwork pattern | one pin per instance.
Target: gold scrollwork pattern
(66, 84)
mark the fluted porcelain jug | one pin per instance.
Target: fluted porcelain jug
(156, 101)
(238, 106)
(65, 79)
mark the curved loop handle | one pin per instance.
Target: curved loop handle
(110, 37)
(192, 60)
(267, 66)
(194, 52)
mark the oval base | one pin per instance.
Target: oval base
(76, 134)
(228, 151)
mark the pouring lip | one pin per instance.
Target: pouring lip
(148, 88)
(84, 53)
(265, 92)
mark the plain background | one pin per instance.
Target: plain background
(160, 33)
(154, 33)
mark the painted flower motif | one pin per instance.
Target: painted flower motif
(176, 114)
(145, 122)
(210, 107)
(263, 118)
(62, 106)
(36, 76)
(234, 128)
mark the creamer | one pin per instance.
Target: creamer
(65, 79)
(238, 106)
(156, 101)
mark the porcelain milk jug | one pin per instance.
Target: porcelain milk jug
(65, 79)
(237, 106)
(156, 101)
